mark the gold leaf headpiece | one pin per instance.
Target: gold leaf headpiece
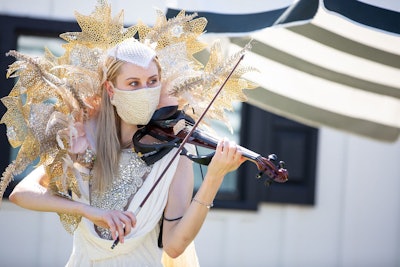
(53, 94)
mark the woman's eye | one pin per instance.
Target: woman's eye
(134, 84)
(154, 81)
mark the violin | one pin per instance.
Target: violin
(171, 126)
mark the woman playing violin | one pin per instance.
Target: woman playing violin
(119, 179)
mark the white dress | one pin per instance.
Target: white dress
(140, 246)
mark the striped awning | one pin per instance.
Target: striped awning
(329, 63)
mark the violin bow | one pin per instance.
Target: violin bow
(184, 141)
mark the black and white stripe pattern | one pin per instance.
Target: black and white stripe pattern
(330, 63)
(235, 17)
(378, 14)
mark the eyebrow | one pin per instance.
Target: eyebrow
(137, 78)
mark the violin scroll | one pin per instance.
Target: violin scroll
(275, 173)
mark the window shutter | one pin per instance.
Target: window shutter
(294, 143)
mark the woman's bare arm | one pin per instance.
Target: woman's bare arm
(32, 193)
(177, 235)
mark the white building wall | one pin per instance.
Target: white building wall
(355, 221)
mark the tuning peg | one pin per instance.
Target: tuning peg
(272, 157)
(281, 164)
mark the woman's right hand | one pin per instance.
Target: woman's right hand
(32, 193)
(120, 223)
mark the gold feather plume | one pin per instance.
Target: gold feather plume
(195, 90)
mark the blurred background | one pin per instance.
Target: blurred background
(328, 105)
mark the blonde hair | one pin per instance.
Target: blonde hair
(108, 131)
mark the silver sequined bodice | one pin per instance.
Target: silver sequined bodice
(130, 176)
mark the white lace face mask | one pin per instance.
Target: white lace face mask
(136, 106)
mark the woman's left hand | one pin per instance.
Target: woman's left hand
(227, 158)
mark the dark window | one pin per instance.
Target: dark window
(292, 142)
(266, 133)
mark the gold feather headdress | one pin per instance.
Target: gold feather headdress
(54, 94)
